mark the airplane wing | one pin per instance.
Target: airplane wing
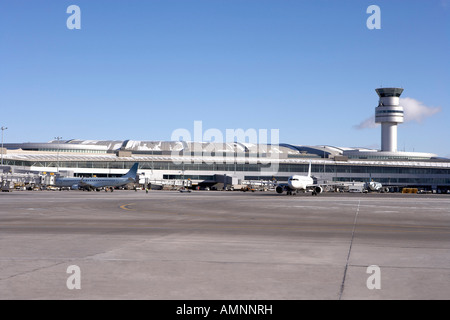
(315, 188)
(332, 184)
(97, 184)
(111, 182)
(84, 184)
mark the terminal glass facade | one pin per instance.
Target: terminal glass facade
(405, 175)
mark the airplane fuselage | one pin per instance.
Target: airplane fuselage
(297, 182)
(97, 183)
(91, 182)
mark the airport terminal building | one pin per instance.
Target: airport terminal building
(209, 163)
(205, 164)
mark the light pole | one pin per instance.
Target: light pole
(57, 154)
(3, 129)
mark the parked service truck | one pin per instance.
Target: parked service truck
(7, 186)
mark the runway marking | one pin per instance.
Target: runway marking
(349, 250)
(128, 208)
(333, 227)
(125, 207)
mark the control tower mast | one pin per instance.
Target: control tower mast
(389, 113)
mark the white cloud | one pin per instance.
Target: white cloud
(414, 111)
(368, 123)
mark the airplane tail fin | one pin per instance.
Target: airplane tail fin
(309, 169)
(133, 171)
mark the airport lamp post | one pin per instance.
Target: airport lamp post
(57, 154)
(3, 129)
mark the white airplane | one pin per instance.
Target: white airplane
(374, 186)
(299, 183)
(97, 183)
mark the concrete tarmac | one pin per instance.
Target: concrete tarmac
(223, 245)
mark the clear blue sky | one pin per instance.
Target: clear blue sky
(141, 69)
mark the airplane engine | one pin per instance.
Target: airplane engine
(279, 189)
(318, 189)
(75, 187)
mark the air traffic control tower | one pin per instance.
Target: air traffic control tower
(389, 113)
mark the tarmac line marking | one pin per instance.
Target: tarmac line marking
(125, 207)
(330, 228)
(349, 250)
